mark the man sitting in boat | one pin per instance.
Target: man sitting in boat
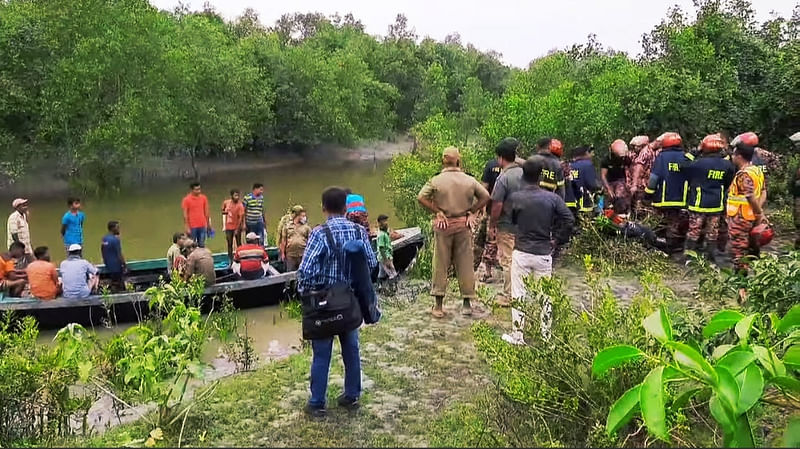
(43, 276)
(12, 281)
(78, 276)
(250, 260)
(200, 262)
(174, 254)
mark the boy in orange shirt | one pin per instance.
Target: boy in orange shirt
(233, 217)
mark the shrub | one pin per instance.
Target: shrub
(735, 382)
(549, 382)
(37, 404)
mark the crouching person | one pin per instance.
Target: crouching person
(250, 260)
(538, 214)
(330, 304)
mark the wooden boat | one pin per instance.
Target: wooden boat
(132, 305)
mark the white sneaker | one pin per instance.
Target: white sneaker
(515, 338)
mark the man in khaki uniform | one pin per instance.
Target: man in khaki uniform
(453, 196)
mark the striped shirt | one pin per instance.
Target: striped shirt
(320, 267)
(254, 208)
(250, 257)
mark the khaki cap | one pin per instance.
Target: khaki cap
(451, 154)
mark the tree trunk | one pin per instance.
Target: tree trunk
(194, 162)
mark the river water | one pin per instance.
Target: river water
(150, 214)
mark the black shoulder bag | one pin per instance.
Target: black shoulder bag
(334, 310)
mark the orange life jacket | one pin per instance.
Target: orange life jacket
(737, 202)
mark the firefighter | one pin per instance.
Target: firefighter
(744, 205)
(767, 161)
(667, 189)
(709, 177)
(584, 179)
(549, 152)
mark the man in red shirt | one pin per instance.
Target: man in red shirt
(251, 259)
(233, 217)
(196, 218)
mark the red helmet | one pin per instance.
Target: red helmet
(749, 138)
(762, 234)
(556, 147)
(712, 143)
(670, 139)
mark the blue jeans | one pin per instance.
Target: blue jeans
(199, 236)
(259, 229)
(321, 363)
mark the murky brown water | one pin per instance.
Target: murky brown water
(274, 336)
(149, 215)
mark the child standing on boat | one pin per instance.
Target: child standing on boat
(385, 255)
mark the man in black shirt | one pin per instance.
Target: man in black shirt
(540, 217)
(490, 174)
(484, 244)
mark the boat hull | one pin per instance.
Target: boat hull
(133, 306)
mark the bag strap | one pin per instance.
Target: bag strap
(332, 246)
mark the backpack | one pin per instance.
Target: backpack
(334, 310)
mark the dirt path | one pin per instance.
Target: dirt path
(424, 383)
(415, 368)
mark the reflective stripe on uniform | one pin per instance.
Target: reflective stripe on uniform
(665, 203)
(738, 203)
(708, 210)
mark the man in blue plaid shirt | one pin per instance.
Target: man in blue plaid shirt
(319, 270)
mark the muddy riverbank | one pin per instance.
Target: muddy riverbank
(422, 378)
(48, 179)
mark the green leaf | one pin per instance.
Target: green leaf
(720, 351)
(688, 357)
(736, 361)
(657, 324)
(744, 327)
(769, 361)
(792, 356)
(751, 387)
(651, 401)
(84, 369)
(727, 389)
(614, 356)
(722, 414)
(742, 434)
(683, 399)
(790, 320)
(721, 321)
(786, 382)
(791, 438)
(623, 409)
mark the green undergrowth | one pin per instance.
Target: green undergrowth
(415, 370)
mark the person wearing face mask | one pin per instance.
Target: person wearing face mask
(294, 238)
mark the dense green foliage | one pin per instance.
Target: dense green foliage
(721, 71)
(46, 391)
(735, 382)
(37, 403)
(98, 86)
